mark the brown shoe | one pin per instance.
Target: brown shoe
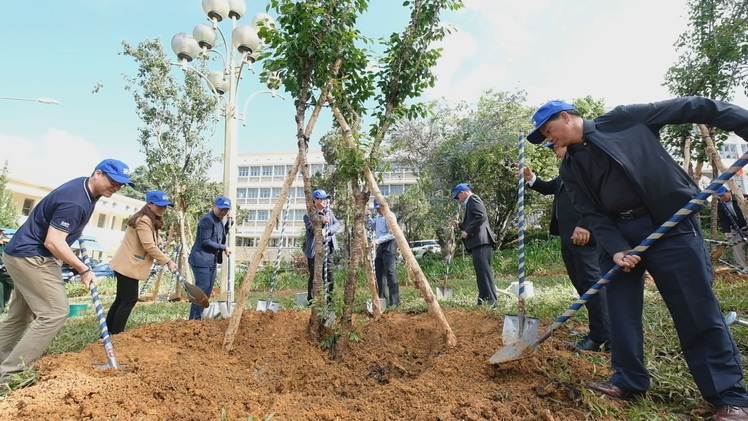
(731, 413)
(612, 391)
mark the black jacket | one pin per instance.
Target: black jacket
(630, 135)
(475, 224)
(564, 217)
(725, 221)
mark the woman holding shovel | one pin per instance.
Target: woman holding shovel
(134, 258)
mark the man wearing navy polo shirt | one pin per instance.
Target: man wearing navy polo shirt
(34, 257)
(208, 249)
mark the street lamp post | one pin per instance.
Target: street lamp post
(48, 101)
(246, 44)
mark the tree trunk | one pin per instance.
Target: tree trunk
(414, 270)
(236, 316)
(720, 167)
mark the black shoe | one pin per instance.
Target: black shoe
(588, 344)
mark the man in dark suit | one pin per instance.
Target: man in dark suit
(579, 252)
(208, 249)
(479, 241)
(625, 184)
(732, 222)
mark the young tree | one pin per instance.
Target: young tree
(8, 214)
(178, 117)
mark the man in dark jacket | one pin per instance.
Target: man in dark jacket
(208, 249)
(580, 255)
(479, 240)
(732, 222)
(625, 185)
(330, 227)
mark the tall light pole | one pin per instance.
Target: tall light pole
(48, 101)
(244, 49)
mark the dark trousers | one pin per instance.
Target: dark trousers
(385, 268)
(679, 263)
(205, 277)
(583, 267)
(6, 288)
(326, 266)
(124, 301)
(484, 273)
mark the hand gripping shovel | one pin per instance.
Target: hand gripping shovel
(524, 349)
(108, 348)
(520, 328)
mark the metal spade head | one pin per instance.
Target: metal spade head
(519, 329)
(196, 295)
(513, 352)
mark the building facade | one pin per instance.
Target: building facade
(261, 176)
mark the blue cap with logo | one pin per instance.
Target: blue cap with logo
(116, 170)
(158, 198)
(223, 202)
(320, 194)
(542, 115)
(459, 188)
(721, 190)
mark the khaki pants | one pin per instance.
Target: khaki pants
(35, 315)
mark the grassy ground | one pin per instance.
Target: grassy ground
(673, 391)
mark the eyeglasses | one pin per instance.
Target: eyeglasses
(112, 182)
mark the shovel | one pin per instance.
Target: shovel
(108, 348)
(732, 318)
(194, 294)
(527, 347)
(520, 328)
(269, 304)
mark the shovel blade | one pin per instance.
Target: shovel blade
(513, 352)
(195, 295)
(514, 331)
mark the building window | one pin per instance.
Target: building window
(251, 193)
(385, 190)
(280, 170)
(267, 170)
(254, 171)
(265, 193)
(28, 204)
(729, 151)
(262, 215)
(102, 221)
(276, 192)
(111, 227)
(396, 189)
(252, 215)
(243, 171)
(241, 193)
(317, 169)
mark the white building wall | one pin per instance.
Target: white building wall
(261, 176)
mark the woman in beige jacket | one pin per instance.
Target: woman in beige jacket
(135, 256)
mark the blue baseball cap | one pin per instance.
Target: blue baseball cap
(459, 188)
(320, 194)
(721, 190)
(158, 198)
(223, 202)
(116, 170)
(376, 204)
(542, 115)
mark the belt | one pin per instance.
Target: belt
(632, 213)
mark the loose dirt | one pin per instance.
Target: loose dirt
(398, 370)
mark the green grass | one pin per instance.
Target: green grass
(673, 395)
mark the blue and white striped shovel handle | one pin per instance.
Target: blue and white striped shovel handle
(693, 205)
(108, 348)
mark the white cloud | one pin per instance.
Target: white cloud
(51, 160)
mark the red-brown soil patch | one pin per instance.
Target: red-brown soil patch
(399, 370)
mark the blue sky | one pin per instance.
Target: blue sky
(617, 50)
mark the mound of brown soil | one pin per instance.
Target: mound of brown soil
(398, 370)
